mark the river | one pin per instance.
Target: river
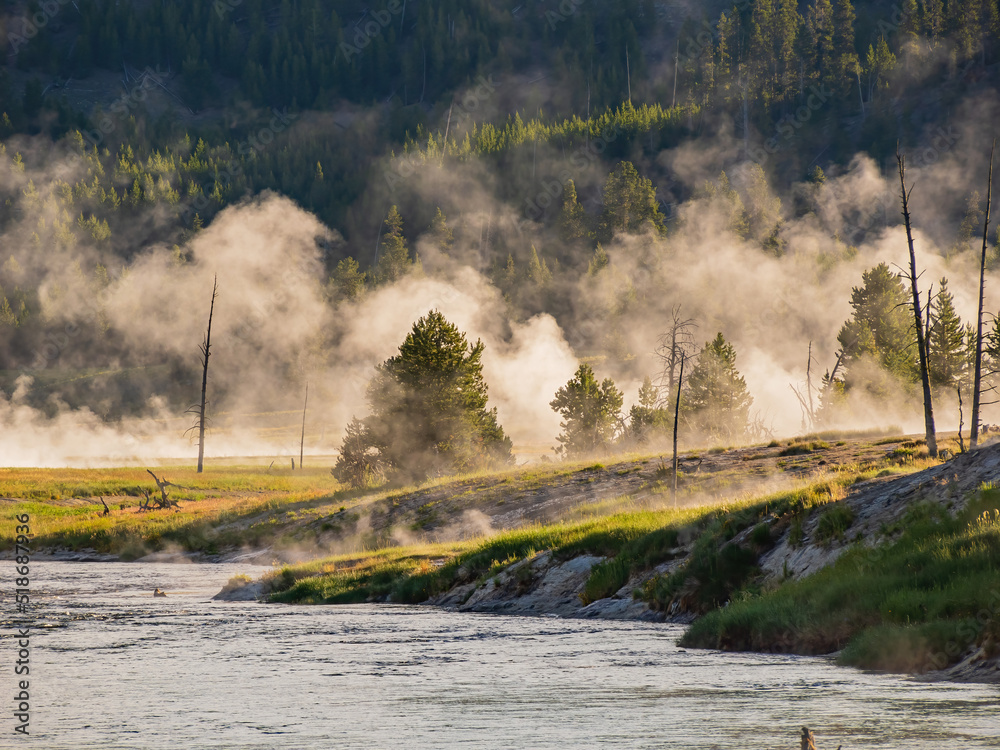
(112, 667)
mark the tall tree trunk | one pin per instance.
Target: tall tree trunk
(206, 350)
(677, 414)
(978, 380)
(302, 441)
(918, 315)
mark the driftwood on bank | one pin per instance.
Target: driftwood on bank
(163, 501)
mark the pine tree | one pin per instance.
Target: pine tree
(645, 417)
(443, 237)
(429, 406)
(946, 362)
(347, 281)
(394, 256)
(630, 204)
(590, 413)
(572, 218)
(821, 36)
(599, 261)
(538, 270)
(846, 66)
(717, 401)
(880, 326)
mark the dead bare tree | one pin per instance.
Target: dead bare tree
(806, 402)
(977, 378)
(164, 501)
(677, 415)
(917, 313)
(677, 343)
(206, 350)
(302, 441)
(961, 419)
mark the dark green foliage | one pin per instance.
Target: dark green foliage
(879, 337)
(394, 260)
(630, 204)
(347, 281)
(359, 463)
(572, 218)
(910, 605)
(590, 412)
(717, 402)
(428, 408)
(646, 418)
(947, 362)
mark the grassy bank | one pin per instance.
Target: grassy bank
(230, 506)
(913, 604)
(632, 543)
(917, 602)
(297, 514)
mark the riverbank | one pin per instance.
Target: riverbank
(230, 511)
(895, 573)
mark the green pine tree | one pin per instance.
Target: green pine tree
(590, 412)
(881, 325)
(946, 361)
(428, 406)
(630, 204)
(572, 218)
(717, 403)
(394, 256)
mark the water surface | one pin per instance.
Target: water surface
(114, 668)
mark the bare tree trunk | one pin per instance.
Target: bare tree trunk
(918, 315)
(977, 383)
(961, 419)
(206, 350)
(302, 441)
(809, 386)
(677, 415)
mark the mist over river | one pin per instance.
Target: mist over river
(112, 667)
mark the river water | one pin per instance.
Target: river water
(112, 667)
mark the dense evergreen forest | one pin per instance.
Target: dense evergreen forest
(127, 125)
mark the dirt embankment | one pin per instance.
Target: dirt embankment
(543, 585)
(548, 493)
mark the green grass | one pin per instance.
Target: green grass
(633, 541)
(915, 604)
(399, 572)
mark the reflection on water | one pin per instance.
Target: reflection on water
(114, 668)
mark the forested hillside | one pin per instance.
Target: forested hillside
(609, 169)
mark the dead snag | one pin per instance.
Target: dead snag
(978, 377)
(206, 350)
(164, 501)
(677, 414)
(107, 510)
(918, 314)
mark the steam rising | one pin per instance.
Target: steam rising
(275, 328)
